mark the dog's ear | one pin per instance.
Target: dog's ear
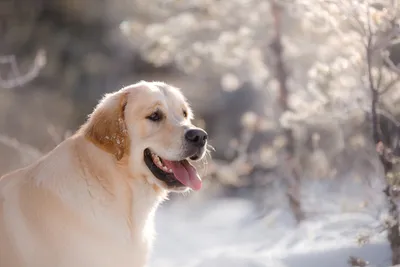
(106, 126)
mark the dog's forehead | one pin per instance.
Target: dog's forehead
(171, 94)
(169, 90)
(149, 92)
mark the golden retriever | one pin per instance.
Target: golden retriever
(90, 202)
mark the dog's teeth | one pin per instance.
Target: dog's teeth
(159, 163)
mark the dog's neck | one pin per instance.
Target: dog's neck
(122, 197)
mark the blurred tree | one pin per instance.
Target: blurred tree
(373, 30)
(230, 41)
(224, 55)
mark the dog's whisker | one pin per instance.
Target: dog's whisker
(211, 147)
(205, 162)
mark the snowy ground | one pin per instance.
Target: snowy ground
(201, 232)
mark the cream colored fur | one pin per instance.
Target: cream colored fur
(90, 202)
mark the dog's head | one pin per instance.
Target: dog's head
(149, 123)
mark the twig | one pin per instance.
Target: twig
(22, 149)
(19, 79)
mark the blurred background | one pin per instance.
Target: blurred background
(296, 95)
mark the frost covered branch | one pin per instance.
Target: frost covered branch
(377, 89)
(16, 78)
(19, 147)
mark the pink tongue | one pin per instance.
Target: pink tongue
(185, 173)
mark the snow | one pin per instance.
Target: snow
(203, 231)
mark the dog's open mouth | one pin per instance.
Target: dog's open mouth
(174, 174)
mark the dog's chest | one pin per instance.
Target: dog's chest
(114, 243)
(117, 235)
(135, 241)
(135, 234)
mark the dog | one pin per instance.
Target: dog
(92, 199)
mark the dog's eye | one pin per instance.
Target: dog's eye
(185, 114)
(155, 116)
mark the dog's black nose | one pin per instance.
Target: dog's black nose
(197, 137)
